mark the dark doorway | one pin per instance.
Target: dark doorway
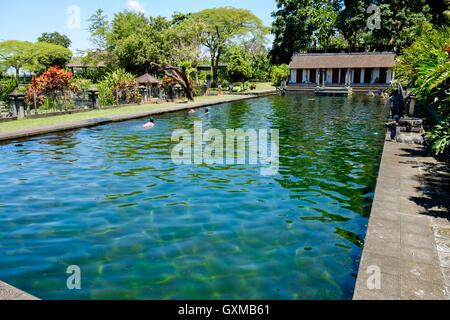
(343, 75)
(299, 75)
(321, 75)
(368, 75)
(357, 76)
(335, 76)
(312, 75)
(383, 75)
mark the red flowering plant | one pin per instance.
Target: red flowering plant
(55, 80)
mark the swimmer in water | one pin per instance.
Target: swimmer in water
(149, 124)
(206, 111)
(192, 111)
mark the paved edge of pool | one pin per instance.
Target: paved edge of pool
(30, 132)
(8, 292)
(400, 245)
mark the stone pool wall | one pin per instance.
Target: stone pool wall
(408, 237)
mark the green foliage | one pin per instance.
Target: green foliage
(55, 38)
(6, 88)
(81, 83)
(239, 67)
(440, 137)
(261, 67)
(136, 41)
(302, 25)
(22, 55)
(105, 94)
(352, 22)
(202, 76)
(279, 74)
(99, 28)
(18, 55)
(50, 55)
(222, 25)
(426, 66)
(122, 83)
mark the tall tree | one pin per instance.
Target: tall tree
(55, 38)
(221, 26)
(401, 24)
(239, 67)
(51, 55)
(352, 21)
(125, 24)
(99, 28)
(19, 55)
(22, 55)
(301, 25)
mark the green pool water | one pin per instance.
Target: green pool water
(110, 200)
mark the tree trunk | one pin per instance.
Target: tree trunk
(179, 76)
(17, 75)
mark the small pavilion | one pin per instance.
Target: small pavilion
(150, 85)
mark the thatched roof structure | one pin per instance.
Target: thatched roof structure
(342, 60)
(147, 79)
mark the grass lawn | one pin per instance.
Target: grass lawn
(32, 123)
(260, 86)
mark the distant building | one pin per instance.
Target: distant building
(98, 61)
(343, 69)
(207, 67)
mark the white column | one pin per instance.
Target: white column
(293, 75)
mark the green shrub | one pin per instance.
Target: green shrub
(225, 84)
(203, 75)
(279, 74)
(6, 88)
(426, 67)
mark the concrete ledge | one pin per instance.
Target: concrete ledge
(400, 240)
(8, 292)
(17, 134)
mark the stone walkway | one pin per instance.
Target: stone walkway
(8, 292)
(408, 236)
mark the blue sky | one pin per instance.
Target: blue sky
(26, 20)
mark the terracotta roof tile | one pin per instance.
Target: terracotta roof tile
(342, 60)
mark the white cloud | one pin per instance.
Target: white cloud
(134, 5)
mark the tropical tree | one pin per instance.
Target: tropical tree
(19, 55)
(221, 26)
(22, 55)
(426, 67)
(239, 67)
(51, 55)
(99, 29)
(302, 25)
(55, 38)
(261, 67)
(352, 21)
(400, 24)
(179, 74)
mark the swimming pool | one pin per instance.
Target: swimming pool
(110, 200)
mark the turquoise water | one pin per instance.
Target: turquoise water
(110, 200)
